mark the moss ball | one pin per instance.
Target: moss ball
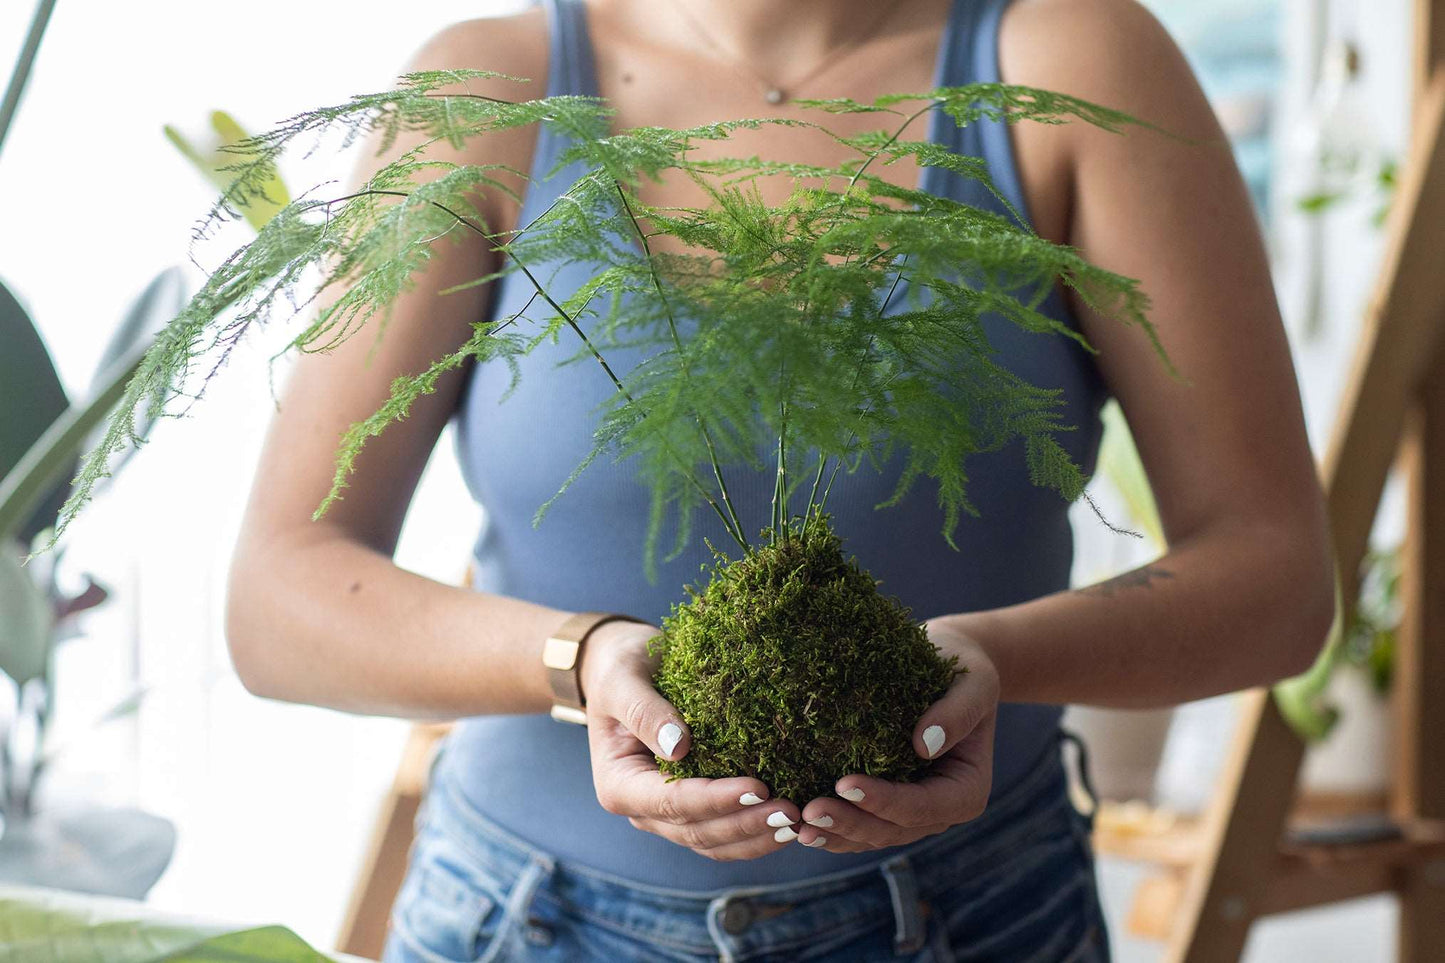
(790, 666)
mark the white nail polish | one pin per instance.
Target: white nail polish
(668, 737)
(852, 795)
(779, 818)
(785, 835)
(822, 822)
(820, 841)
(933, 740)
(750, 799)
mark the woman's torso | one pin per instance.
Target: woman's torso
(531, 774)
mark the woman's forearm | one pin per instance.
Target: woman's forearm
(331, 622)
(1222, 612)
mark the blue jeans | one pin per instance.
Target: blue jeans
(1015, 885)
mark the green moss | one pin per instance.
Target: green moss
(791, 666)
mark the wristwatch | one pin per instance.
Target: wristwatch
(562, 655)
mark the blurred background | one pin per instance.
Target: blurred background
(97, 199)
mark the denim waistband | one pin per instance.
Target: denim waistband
(736, 922)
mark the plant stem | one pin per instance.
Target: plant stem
(572, 323)
(889, 143)
(822, 461)
(737, 533)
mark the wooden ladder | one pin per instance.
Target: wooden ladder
(1236, 864)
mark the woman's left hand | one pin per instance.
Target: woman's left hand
(956, 732)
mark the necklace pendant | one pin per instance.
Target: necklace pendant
(774, 95)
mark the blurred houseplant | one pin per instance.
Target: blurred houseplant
(90, 849)
(112, 851)
(48, 926)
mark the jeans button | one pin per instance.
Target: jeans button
(538, 934)
(736, 917)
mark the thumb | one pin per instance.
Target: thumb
(648, 716)
(970, 702)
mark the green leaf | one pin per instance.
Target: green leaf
(1320, 201)
(45, 464)
(51, 926)
(31, 398)
(26, 620)
(1301, 700)
(222, 158)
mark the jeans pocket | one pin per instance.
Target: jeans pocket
(449, 910)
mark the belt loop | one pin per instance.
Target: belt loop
(908, 934)
(519, 904)
(716, 911)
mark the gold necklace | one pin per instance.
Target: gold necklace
(775, 93)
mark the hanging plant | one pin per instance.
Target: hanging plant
(775, 335)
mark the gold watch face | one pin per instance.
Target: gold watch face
(560, 653)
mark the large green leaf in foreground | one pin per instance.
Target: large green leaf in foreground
(50, 926)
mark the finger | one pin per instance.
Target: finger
(745, 849)
(955, 789)
(773, 821)
(632, 786)
(969, 702)
(838, 820)
(647, 715)
(832, 843)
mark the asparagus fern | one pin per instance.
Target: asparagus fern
(789, 320)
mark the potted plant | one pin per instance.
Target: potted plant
(774, 337)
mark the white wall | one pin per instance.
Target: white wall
(273, 802)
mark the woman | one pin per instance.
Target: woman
(544, 840)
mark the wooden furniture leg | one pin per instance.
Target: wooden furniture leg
(363, 932)
(1419, 680)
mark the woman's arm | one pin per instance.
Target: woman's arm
(317, 612)
(1245, 593)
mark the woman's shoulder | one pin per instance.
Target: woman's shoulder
(515, 45)
(1112, 52)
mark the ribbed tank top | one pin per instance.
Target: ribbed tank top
(531, 774)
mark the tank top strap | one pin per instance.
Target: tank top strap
(971, 56)
(570, 68)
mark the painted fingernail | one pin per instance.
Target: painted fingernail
(820, 841)
(750, 799)
(822, 822)
(852, 795)
(668, 737)
(785, 835)
(779, 818)
(933, 740)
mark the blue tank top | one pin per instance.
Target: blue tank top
(531, 774)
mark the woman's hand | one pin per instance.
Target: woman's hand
(956, 731)
(628, 723)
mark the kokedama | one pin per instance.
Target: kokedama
(774, 337)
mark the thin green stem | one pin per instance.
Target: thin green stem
(889, 143)
(572, 323)
(857, 373)
(677, 345)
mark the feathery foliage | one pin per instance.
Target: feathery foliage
(845, 323)
(846, 320)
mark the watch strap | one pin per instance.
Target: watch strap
(562, 656)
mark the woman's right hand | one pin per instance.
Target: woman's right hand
(629, 724)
